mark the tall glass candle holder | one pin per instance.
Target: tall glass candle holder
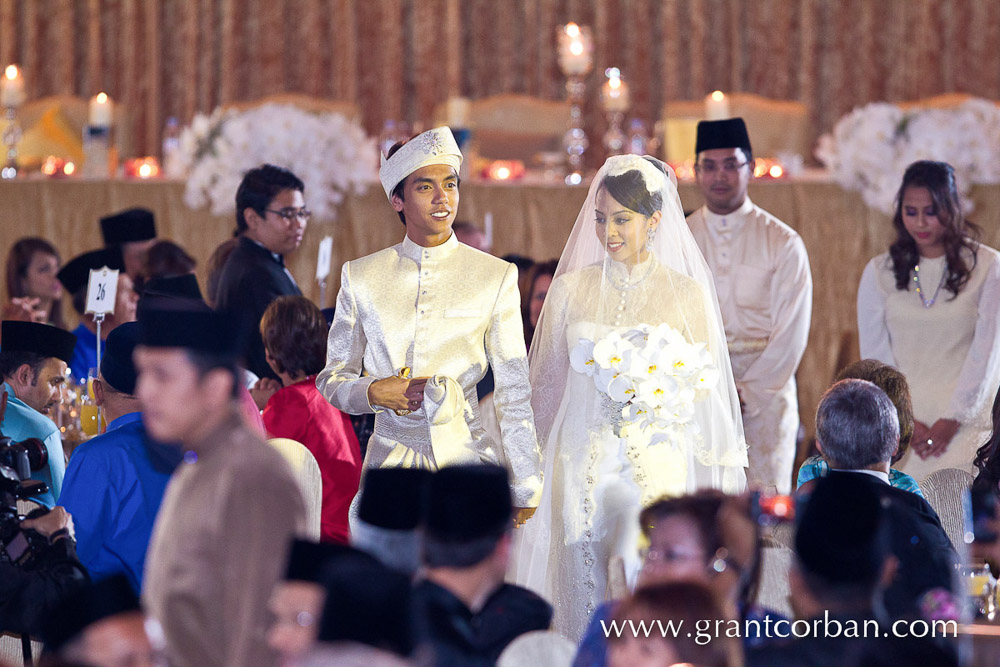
(615, 101)
(576, 58)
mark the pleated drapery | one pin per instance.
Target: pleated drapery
(399, 58)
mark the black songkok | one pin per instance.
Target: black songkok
(307, 561)
(191, 325)
(391, 498)
(468, 502)
(729, 133)
(366, 602)
(117, 367)
(134, 224)
(42, 339)
(88, 605)
(75, 274)
(841, 535)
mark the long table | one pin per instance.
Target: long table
(840, 232)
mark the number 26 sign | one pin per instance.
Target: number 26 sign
(101, 291)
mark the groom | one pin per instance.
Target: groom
(417, 325)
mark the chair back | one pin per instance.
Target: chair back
(945, 490)
(307, 103)
(540, 647)
(772, 593)
(11, 653)
(514, 127)
(775, 126)
(307, 474)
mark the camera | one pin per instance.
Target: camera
(18, 546)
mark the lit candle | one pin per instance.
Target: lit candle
(575, 50)
(100, 110)
(716, 106)
(614, 92)
(11, 87)
(458, 112)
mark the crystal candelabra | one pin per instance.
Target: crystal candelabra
(11, 137)
(575, 50)
(615, 101)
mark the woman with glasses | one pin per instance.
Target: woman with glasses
(930, 306)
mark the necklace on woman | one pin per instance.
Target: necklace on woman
(920, 292)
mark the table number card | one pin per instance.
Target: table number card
(101, 291)
(324, 258)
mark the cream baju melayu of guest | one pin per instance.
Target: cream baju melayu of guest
(762, 277)
(447, 312)
(949, 352)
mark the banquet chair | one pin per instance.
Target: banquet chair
(305, 102)
(513, 127)
(306, 473)
(772, 593)
(775, 126)
(945, 491)
(54, 126)
(10, 650)
(540, 647)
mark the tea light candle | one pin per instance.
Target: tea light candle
(614, 92)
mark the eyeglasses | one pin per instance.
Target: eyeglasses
(728, 166)
(288, 214)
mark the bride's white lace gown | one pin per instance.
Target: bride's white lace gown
(600, 472)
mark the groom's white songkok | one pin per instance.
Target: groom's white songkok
(447, 312)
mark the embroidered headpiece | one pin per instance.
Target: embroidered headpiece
(437, 146)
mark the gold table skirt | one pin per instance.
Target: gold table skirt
(839, 231)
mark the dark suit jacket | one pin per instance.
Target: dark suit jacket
(926, 557)
(251, 279)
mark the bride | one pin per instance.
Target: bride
(632, 389)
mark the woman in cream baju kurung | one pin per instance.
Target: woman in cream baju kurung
(950, 352)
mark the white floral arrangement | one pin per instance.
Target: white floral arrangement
(330, 153)
(870, 148)
(655, 374)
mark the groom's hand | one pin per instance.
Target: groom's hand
(397, 393)
(522, 514)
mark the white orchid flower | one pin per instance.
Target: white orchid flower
(581, 357)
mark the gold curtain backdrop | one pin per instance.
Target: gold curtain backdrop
(398, 58)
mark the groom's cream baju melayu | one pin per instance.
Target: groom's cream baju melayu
(446, 312)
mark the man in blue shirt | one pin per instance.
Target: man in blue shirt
(33, 360)
(115, 482)
(74, 277)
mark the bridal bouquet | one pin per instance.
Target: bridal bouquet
(655, 374)
(331, 154)
(870, 148)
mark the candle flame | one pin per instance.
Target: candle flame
(49, 166)
(759, 167)
(776, 171)
(503, 173)
(573, 30)
(718, 95)
(615, 84)
(11, 72)
(145, 170)
(576, 47)
(102, 98)
(69, 168)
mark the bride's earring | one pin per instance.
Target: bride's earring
(650, 233)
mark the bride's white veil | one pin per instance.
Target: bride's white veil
(670, 284)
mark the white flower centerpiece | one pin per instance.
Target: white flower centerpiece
(870, 148)
(654, 376)
(330, 153)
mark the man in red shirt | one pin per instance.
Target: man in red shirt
(294, 332)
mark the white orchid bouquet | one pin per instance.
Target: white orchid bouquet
(656, 376)
(329, 152)
(870, 148)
